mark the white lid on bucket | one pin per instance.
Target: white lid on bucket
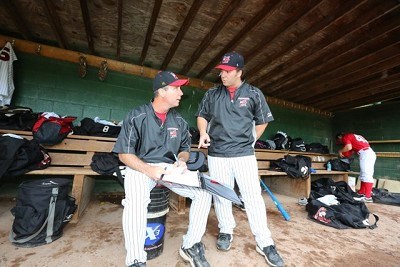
(151, 215)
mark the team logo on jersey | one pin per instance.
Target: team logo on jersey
(243, 101)
(5, 54)
(173, 132)
(154, 233)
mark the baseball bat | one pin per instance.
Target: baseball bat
(276, 201)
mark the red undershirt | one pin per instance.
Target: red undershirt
(232, 90)
(161, 116)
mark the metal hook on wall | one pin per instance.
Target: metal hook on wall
(39, 49)
(82, 69)
(103, 70)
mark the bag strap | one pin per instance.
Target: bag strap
(373, 226)
(119, 177)
(52, 207)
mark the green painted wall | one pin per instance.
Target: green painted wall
(49, 85)
(378, 122)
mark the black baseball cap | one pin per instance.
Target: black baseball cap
(231, 61)
(164, 78)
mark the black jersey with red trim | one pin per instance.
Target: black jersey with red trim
(143, 135)
(231, 123)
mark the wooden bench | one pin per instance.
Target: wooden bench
(283, 184)
(72, 157)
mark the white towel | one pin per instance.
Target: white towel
(329, 200)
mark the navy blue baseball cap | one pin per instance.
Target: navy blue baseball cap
(164, 78)
(231, 61)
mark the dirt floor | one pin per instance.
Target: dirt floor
(97, 240)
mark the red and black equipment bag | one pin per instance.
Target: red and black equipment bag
(52, 130)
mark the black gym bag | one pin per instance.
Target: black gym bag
(347, 214)
(380, 195)
(43, 209)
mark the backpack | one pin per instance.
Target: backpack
(297, 144)
(42, 210)
(197, 161)
(50, 129)
(268, 144)
(317, 148)
(380, 195)
(296, 167)
(339, 164)
(17, 118)
(347, 214)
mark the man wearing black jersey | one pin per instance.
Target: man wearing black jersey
(148, 134)
(230, 118)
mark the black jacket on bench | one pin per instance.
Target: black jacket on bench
(19, 156)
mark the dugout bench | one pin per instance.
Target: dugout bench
(281, 183)
(72, 157)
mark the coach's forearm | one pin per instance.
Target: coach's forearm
(260, 130)
(202, 125)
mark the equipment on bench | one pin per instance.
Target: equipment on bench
(19, 156)
(51, 129)
(107, 163)
(296, 167)
(340, 164)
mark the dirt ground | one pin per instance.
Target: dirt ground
(97, 240)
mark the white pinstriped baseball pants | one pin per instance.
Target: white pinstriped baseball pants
(134, 217)
(367, 165)
(244, 170)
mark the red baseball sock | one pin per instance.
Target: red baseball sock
(368, 189)
(362, 188)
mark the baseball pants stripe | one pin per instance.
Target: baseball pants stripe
(244, 171)
(134, 218)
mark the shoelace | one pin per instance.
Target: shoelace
(136, 263)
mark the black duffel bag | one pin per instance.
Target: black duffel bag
(43, 209)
